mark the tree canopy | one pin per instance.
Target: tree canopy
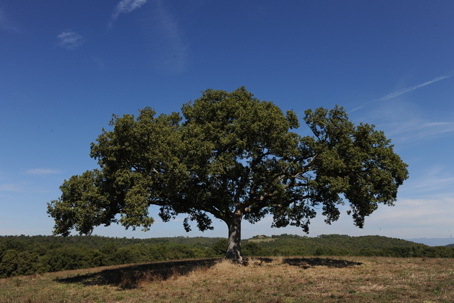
(235, 157)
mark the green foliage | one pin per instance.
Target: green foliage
(235, 157)
(251, 249)
(220, 246)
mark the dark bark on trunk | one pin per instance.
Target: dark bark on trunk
(234, 242)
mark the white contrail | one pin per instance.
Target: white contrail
(404, 91)
(410, 89)
(42, 171)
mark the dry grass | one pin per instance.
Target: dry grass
(352, 279)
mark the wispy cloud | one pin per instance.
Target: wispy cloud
(418, 129)
(70, 40)
(170, 52)
(405, 121)
(99, 63)
(406, 90)
(3, 20)
(429, 129)
(419, 216)
(42, 171)
(125, 7)
(10, 187)
(409, 218)
(433, 181)
(5, 23)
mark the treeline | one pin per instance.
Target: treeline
(343, 245)
(25, 255)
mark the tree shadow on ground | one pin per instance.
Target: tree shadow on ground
(130, 277)
(306, 263)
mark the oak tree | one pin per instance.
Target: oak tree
(237, 158)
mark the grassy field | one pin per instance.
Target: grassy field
(298, 279)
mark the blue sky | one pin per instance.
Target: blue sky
(67, 66)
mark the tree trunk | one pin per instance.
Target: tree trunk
(234, 243)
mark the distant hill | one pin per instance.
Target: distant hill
(288, 245)
(433, 241)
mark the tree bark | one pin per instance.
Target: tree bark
(234, 242)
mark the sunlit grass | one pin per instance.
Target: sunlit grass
(352, 279)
